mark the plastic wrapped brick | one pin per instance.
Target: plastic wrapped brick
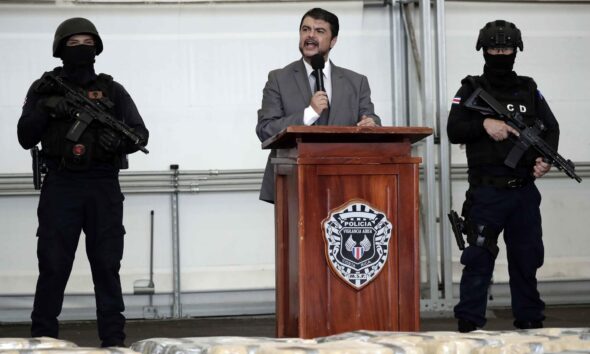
(330, 347)
(156, 345)
(208, 345)
(354, 335)
(34, 343)
(71, 350)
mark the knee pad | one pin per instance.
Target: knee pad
(482, 236)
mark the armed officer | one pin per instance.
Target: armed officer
(81, 190)
(501, 198)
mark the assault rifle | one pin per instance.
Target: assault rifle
(86, 111)
(528, 135)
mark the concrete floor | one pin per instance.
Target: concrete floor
(84, 333)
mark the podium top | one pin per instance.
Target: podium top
(293, 135)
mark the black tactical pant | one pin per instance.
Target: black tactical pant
(68, 205)
(516, 212)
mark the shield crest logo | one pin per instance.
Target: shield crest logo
(357, 242)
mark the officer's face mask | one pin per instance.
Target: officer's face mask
(78, 55)
(500, 62)
(79, 63)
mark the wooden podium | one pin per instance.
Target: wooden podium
(341, 192)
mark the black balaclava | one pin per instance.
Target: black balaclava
(79, 63)
(498, 69)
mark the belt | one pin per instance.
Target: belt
(508, 182)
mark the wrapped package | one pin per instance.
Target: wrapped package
(34, 343)
(70, 350)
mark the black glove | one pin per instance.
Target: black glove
(109, 140)
(58, 107)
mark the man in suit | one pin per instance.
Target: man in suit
(289, 97)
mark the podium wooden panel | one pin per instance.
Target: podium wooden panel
(319, 169)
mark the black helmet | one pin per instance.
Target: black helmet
(499, 34)
(76, 25)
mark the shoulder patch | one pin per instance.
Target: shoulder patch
(456, 100)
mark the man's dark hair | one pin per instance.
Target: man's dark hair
(320, 14)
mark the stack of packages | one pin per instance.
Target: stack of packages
(218, 345)
(45, 345)
(537, 341)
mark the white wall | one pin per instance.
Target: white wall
(196, 72)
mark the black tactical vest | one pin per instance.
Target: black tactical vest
(521, 98)
(79, 155)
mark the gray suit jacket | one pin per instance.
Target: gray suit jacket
(286, 95)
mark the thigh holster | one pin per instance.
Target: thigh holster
(482, 236)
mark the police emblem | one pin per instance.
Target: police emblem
(357, 242)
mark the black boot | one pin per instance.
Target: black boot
(528, 324)
(465, 326)
(107, 344)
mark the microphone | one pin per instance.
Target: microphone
(317, 63)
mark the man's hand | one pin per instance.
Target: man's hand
(58, 107)
(110, 140)
(498, 129)
(319, 101)
(541, 167)
(366, 121)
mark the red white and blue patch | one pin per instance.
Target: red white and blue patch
(456, 100)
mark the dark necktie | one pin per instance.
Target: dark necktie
(323, 119)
